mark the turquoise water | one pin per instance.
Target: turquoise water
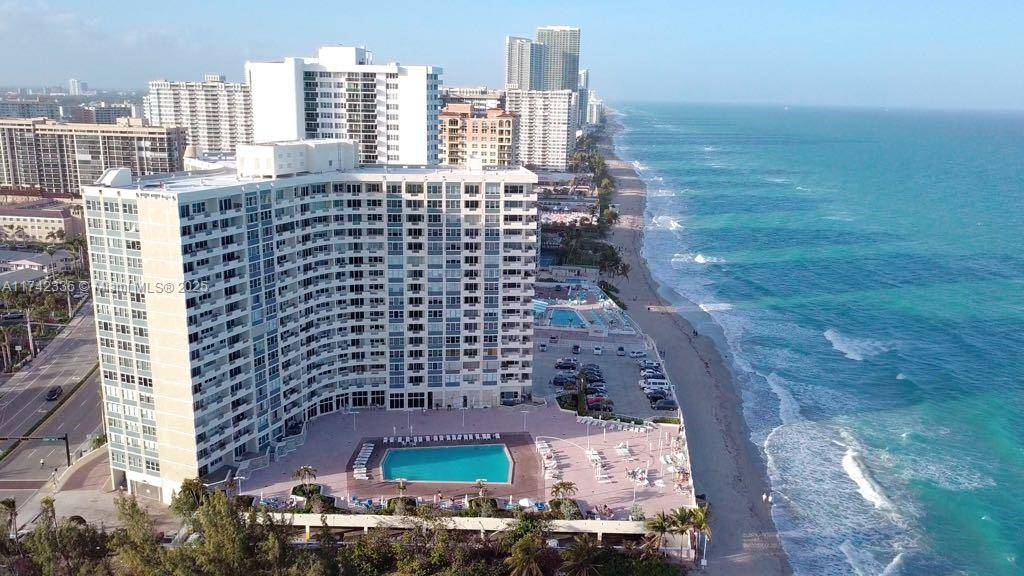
(865, 272)
(488, 462)
(567, 319)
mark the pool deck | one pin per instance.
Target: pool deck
(334, 440)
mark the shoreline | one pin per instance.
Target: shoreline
(726, 465)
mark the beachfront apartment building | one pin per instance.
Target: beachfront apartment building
(524, 64)
(216, 114)
(233, 306)
(389, 110)
(62, 157)
(471, 135)
(547, 126)
(561, 59)
(101, 113)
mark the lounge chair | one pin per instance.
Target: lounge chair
(497, 436)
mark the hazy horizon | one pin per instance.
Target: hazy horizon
(916, 55)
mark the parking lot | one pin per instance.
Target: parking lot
(621, 373)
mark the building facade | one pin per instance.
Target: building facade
(389, 110)
(524, 64)
(595, 109)
(61, 157)
(76, 87)
(100, 113)
(233, 307)
(49, 222)
(547, 127)
(561, 60)
(583, 96)
(29, 108)
(487, 137)
(216, 114)
(481, 99)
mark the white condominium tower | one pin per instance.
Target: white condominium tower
(388, 109)
(217, 115)
(561, 57)
(233, 306)
(547, 126)
(524, 64)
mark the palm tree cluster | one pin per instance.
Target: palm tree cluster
(692, 523)
(234, 540)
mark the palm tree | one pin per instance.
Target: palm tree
(700, 521)
(563, 489)
(305, 474)
(680, 524)
(580, 558)
(523, 559)
(659, 525)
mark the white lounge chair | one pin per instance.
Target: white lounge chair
(497, 436)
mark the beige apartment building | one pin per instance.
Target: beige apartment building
(62, 157)
(468, 134)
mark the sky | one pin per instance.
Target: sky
(917, 54)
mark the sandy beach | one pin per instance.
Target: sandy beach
(727, 466)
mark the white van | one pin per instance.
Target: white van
(656, 383)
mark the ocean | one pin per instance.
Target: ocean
(863, 270)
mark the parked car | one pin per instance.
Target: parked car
(575, 348)
(591, 402)
(597, 390)
(656, 394)
(665, 404)
(651, 374)
(592, 366)
(648, 364)
(559, 381)
(620, 351)
(598, 350)
(543, 347)
(553, 339)
(54, 393)
(591, 378)
(601, 408)
(638, 354)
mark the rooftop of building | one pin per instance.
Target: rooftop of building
(35, 211)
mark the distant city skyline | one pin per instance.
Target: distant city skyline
(915, 54)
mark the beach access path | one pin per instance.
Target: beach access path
(726, 465)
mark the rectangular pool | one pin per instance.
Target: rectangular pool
(490, 462)
(565, 318)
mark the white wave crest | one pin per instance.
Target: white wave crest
(855, 348)
(639, 166)
(661, 193)
(715, 306)
(857, 470)
(666, 222)
(711, 148)
(691, 258)
(789, 408)
(901, 376)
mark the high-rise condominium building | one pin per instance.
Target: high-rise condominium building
(29, 108)
(484, 136)
(524, 64)
(76, 87)
(216, 114)
(547, 126)
(63, 157)
(583, 95)
(595, 109)
(561, 57)
(101, 113)
(388, 109)
(232, 307)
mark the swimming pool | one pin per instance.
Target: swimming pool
(490, 462)
(564, 318)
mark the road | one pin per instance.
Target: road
(79, 417)
(65, 361)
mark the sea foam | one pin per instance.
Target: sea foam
(855, 348)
